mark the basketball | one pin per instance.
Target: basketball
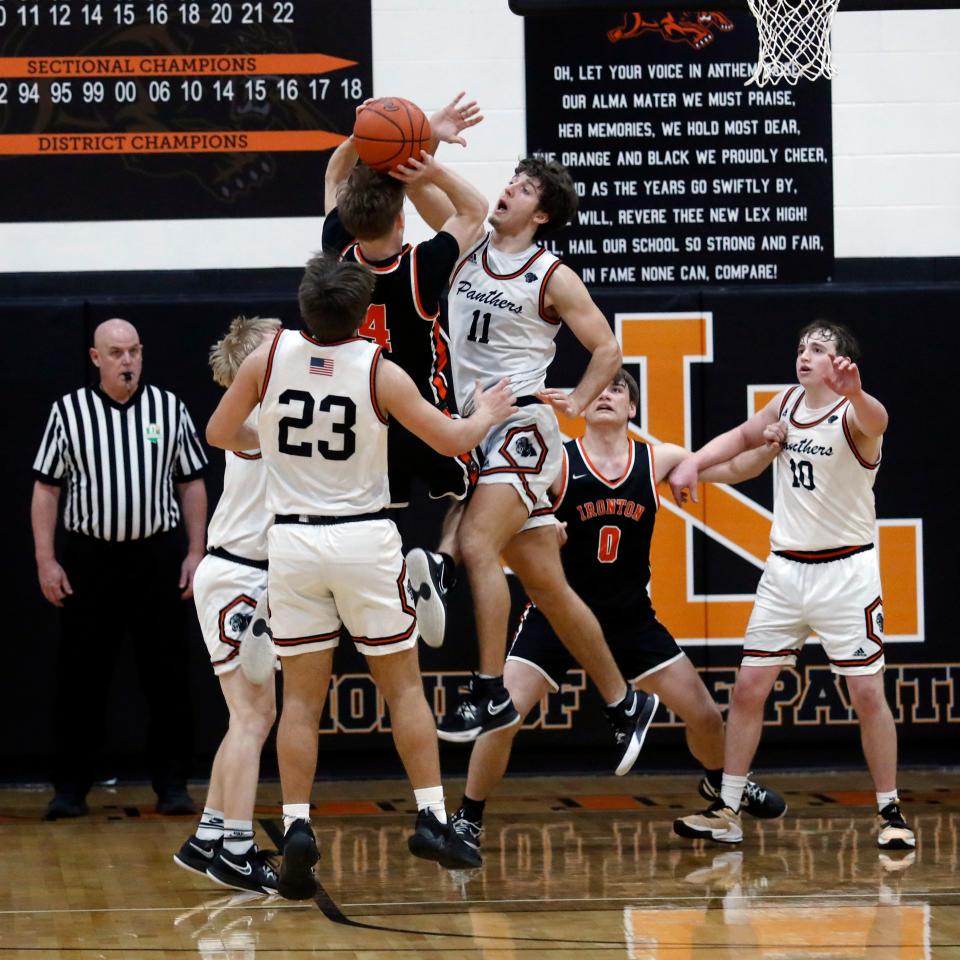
(389, 131)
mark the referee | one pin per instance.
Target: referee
(119, 449)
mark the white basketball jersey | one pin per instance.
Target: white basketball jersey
(498, 322)
(323, 438)
(241, 520)
(824, 486)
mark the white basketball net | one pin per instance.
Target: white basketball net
(794, 40)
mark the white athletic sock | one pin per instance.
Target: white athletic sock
(295, 811)
(431, 798)
(211, 824)
(731, 791)
(237, 835)
(883, 799)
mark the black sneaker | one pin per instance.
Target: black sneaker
(425, 570)
(197, 855)
(299, 855)
(478, 713)
(176, 803)
(760, 802)
(630, 720)
(894, 833)
(468, 831)
(64, 806)
(252, 870)
(439, 842)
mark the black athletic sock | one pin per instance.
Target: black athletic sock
(487, 686)
(449, 576)
(714, 778)
(473, 809)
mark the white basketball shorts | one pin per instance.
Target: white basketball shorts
(839, 600)
(346, 573)
(226, 595)
(525, 451)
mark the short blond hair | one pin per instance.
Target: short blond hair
(243, 337)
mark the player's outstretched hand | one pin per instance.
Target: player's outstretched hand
(560, 400)
(496, 402)
(413, 169)
(775, 434)
(683, 481)
(845, 377)
(449, 121)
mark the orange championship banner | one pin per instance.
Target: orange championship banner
(187, 141)
(180, 65)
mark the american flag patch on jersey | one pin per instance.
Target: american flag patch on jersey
(323, 367)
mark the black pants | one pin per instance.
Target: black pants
(122, 592)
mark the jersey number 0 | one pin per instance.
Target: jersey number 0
(343, 427)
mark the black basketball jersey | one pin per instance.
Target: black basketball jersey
(404, 310)
(609, 526)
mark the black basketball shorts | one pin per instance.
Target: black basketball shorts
(640, 645)
(408, 457)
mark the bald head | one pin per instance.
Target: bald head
(118, 355)
(114, 330)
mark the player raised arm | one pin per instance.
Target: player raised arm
(227, 428)
(868, 417)
(397, 396)
(467, 206)
(432, 203)
(747, 436)
(567, 299)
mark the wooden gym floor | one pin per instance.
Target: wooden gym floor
(575, 867)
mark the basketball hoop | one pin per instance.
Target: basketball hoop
(794, 40)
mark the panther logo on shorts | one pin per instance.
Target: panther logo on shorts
(525, 448)
(235, 617)
(878, 616)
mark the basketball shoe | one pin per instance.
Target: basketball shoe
(468, 831)
(485, 706)
(433, 840)
(296, 881)
(718, 822)
(894, 833)
(197, 855)
(760, 802)
(630, 719)
(429, 582)
(252, 870)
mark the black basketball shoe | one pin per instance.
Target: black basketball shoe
(630, 719)
(197, 855)
(894, 833)
(300, 853)
(433, 840)
(760, 802)
(252, 870)
(468, 831)
(484, 707)
(426, 573)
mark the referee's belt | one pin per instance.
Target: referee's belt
(233, 558)
(822, 556)
(317, 521)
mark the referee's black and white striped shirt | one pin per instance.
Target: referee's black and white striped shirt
(119, 461)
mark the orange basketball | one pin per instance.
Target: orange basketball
(389, 131)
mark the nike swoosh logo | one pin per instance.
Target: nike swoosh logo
(203, 853)
(245, 870)
(579, 476)
(632, 711)
(494, 710)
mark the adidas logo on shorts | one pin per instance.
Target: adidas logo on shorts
(860, 652)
